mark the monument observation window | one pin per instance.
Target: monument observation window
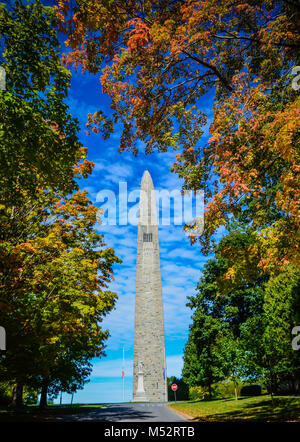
(147, 237)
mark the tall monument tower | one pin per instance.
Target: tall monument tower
(149, 361)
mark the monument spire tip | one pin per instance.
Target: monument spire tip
(146, 177)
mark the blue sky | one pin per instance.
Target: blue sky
(181, 264)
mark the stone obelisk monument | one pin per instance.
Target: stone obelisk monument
(149, 362)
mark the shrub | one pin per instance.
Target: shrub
(5, 393)
(226, 389)
(197, 393)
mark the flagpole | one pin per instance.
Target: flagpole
(123, 375)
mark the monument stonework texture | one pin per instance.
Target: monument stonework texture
(149, 361)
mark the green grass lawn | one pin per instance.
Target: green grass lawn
(258, 408)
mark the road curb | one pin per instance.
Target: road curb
(180, 413)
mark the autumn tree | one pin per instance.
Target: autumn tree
(159, 60)
(54, 266)
(56, 293)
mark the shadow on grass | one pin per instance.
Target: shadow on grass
(283, 410)
(202, 401)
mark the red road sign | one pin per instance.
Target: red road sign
(174, 387)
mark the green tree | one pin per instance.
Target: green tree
(182, 393)
(249, 317)
(38, 136)
(267, 339)
(205, 359)
(215, 349)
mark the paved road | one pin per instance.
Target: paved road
(127, 413)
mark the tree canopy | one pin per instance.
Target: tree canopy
(160, 58)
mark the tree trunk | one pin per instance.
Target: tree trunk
(272, 398)
(271, 391)
(209, 391)
(43, 399)
(17, 399)
(235, 392)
